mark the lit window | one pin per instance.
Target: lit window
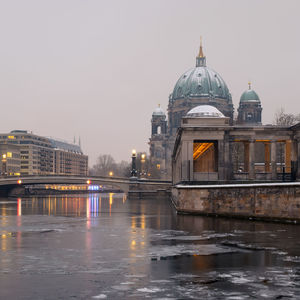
(205, 156)
(158, 166)
(11, 137)
(9, 154)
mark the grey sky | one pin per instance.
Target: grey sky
(99, 68)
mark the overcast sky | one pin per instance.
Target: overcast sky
(97, 69)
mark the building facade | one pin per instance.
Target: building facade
(29, 154)
(206, 150)
(200, 85)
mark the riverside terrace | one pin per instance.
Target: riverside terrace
(245, 163)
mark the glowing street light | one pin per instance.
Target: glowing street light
(88, 182)
(111, 173)
(19, 181)
(133, 164)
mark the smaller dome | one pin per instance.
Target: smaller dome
(249, 95)
(158, 112)
(205, 111)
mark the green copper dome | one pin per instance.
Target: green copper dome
(201, 82)
(249, 95)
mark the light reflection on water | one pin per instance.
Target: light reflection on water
(67, 205)
(109, 246)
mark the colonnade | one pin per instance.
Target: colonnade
(270, 168)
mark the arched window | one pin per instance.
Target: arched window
(158, 130)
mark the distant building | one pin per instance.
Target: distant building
(10, 159)
(200, 85)
(69, 159)
(25, 153)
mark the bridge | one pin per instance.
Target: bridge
(7, 184)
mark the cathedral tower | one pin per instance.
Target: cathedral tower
(249, 111)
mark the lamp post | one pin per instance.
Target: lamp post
(133, 165)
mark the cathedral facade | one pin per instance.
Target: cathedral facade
(200, 85)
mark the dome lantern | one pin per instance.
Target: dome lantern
(201, 59)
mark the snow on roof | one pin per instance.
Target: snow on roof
(205, 111)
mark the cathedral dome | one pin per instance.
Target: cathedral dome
(201, 82)
(205, 111)
(249, 95)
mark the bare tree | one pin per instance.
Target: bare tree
(105, 164)
(285, 119)
(123, 169)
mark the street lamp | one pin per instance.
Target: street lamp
(111, 173)
(133, 164)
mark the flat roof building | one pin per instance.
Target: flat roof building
(43, 156)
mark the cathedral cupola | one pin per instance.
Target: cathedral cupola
(249, 111)
(159, 122)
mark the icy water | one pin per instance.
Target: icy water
(104, 246)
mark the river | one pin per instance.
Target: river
(106, 246)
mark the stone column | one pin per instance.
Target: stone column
(246, 157)
(288, 156)
(190, 152)
(184, 162)
(252, 160)
(273, 160)
(267, 157)
(221, 160)
(298, 160)
(229, 165)
(294, 158)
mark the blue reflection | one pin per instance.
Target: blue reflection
(94, 204)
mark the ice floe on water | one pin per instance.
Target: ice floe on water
(150, 290)
(244, 246)
(198, 237)
(127, 282)
(163, 252)
(100, 296)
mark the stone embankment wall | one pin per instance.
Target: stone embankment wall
(144, 188)
(273, 201)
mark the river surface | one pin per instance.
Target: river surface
(105, 246)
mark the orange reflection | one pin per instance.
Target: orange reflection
(19, 207)
(133, 222)
(110, 202)
(143, 222)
